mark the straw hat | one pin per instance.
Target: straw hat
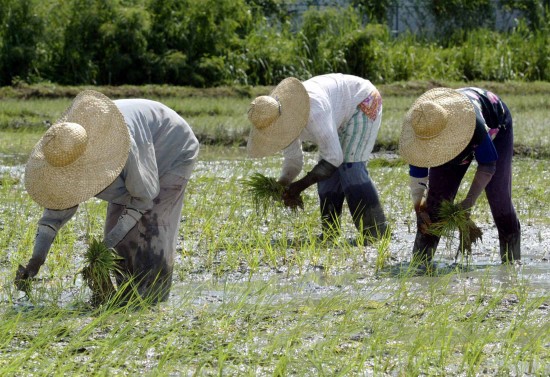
(438, 126)
(277, 119)
(80, 155)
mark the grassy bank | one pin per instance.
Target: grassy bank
(218, 115)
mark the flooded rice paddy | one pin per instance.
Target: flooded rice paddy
(262, 290)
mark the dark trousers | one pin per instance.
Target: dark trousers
(351, 182)
(444, 182)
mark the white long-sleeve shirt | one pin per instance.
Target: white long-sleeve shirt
(333, 102)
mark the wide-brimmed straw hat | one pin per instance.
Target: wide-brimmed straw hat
(437, 127)
(277, 119)
(80, 155)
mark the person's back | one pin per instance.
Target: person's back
(153, 122)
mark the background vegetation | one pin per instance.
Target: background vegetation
(218, 115)
(258, 42)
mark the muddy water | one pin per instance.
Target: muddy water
(482, 268)
(315, 281)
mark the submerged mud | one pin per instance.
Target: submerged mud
(317, 281)
(271, 275)
(354, 271)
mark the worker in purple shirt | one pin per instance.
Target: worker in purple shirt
(443, 132)
(138, 156)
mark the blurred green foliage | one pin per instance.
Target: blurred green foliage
(210, 43)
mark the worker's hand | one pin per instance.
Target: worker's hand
(292, 198)
(422, 216)
(466, 205)
(25, 274)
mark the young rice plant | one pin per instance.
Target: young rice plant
(453, 217)
(265, 191)
(100, 262)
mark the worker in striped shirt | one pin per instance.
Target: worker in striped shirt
(341, 115)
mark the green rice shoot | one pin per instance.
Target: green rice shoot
(100, 263)
(453, 217)
(265, 191)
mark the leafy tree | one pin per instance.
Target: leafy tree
(533, 10)
(462, 15)
(123, 56)
(193, 38)
(77, 62)
(268, 8)
(361, 51)
(20, 33)
(375, 10)
(323, 33)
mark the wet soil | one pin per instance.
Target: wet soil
(340, 269)
(319, 278)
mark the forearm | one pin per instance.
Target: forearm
(291, 169)
(321, 171)
(42, 243)
(482, 177)
(418, 188)
(48, 226)
(293, 162)
(125, 223)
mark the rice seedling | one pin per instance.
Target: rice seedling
(383, 255)
(100, 262)
(265, 191)
(453, 217)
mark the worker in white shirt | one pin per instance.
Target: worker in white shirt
(137, 155)
(339, 113)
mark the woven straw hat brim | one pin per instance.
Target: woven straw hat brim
(452, 140)
(104, 158)
(294, 101)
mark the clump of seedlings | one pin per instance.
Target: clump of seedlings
(265, 191)
(100, 261)
(453, 217)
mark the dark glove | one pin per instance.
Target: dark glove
(291, 195)
(292, 198)
(422, 217)
(25, 274)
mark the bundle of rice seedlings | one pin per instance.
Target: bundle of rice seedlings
(100, 262)
(453, 217)
(265, 191)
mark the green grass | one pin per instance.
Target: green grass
(246, 301)
(218, 115)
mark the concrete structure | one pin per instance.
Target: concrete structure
(404, 15)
